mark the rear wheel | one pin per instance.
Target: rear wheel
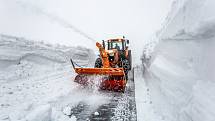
(125, 65)
(98, 63)
(130, 59)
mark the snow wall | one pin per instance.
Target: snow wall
(36, 79)
(181, 73)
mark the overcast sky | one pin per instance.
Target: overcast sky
(99, 19)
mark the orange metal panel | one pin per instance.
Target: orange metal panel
(101, 71)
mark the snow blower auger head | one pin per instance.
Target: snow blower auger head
(112, 66)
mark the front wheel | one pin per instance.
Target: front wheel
(98, 63)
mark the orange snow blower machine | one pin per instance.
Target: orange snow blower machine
(112, 65)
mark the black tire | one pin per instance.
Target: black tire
(130, 59)
(126, 65)
(98, 63)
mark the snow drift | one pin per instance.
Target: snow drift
(181, 72)
(35, 77)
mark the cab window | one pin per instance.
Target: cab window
(115, 45)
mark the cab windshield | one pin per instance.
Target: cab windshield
(115, 45)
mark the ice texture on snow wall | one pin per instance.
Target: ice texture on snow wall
(181, 76)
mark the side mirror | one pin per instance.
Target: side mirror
(103, 43)
(127, 41)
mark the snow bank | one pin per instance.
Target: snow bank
(23, 58)
(36, 75)
(181, 76)
(144, 106)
